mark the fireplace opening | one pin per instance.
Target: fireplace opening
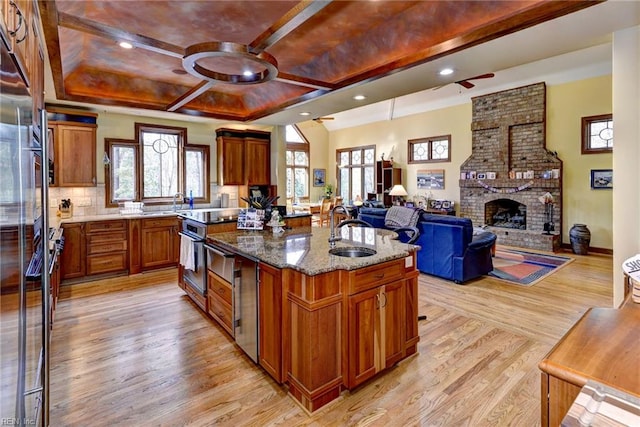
(506, 213)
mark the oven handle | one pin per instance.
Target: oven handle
(195, 238)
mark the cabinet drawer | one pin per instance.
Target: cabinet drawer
(376, 275)
(97, 226)
(106, 263)
(114, 236)
(159, 222)
(105, 247)
(221, 312)
(220, 288)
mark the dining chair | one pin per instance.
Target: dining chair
(323, 217)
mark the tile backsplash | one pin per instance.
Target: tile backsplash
(90, 201)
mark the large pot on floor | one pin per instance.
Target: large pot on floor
(580, 237)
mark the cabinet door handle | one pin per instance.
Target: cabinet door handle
(384, 304)
(379, 276)
(21, 21)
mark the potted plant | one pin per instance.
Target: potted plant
(328, 191)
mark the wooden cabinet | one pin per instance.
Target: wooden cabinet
(75, 154)
(361, 322)
(270, 305)
(72, 259)
(106, 246)
(159, 242)
(376, 330)
(220, 307)
(244, 157)
(603, 347)
(230, 160)
(386, 177)
(257, 161)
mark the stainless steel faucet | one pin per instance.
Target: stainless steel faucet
(332, 238)
(175, 196)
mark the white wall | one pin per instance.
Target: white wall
(626, 155)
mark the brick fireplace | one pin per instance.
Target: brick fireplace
(510, 170)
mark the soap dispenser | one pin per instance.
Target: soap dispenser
(191, 199)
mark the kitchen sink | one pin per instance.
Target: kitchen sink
(352, 252)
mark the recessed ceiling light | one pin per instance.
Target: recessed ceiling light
(126, 45)
(359, 97)
(446, 71)
(305, 113)
(247, 73)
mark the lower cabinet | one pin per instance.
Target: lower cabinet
(220, 307)
(73, 258)
(270, 321)
(376, 334)
(160, 242)
(116, 246)
(106, 246)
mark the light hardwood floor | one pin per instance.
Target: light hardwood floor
(135, 351)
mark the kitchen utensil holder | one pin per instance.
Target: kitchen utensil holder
(66, 212)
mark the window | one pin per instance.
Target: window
(156, 166)
(297, 159)
(430, 150)
(122, 172)
(356, 172)
(597, 134)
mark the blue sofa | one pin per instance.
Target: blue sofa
(449, 248)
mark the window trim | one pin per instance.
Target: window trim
(586, 122)
(363, 148)
(299, 146)
(183, 146)
(108, 172)
(205, 149)
(182, 141)
(429, 140)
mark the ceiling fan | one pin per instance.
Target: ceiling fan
(322, 119)
(467, 84)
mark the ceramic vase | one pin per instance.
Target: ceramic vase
(580, 237)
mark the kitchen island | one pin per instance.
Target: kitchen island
(328, 323)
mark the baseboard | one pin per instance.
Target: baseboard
(591, 249)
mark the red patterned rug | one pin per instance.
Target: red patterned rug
(525, 268)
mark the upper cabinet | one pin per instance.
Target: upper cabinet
(230, 160)
(244, 157)
(20, 30)
(74, 143)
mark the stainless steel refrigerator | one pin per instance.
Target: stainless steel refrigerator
(24, 283)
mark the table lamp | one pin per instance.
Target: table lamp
(397, 193)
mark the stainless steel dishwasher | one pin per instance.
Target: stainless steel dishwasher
(245, 290)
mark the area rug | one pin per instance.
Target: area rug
(523, 267)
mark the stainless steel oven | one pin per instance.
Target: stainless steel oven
(194, 275)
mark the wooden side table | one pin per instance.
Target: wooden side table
(604, 346)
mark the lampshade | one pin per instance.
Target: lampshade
(398, 190)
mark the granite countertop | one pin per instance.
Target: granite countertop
(306, 249)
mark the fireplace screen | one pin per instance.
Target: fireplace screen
(506, 213)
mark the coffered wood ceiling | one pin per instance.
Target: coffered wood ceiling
(319, 47)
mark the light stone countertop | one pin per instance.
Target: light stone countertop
(306, 249)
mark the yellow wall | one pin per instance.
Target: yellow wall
(566, 104)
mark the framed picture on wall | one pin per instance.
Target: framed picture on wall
(431, 179)
(602, 179)
(319, 177)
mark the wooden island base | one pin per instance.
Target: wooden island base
(338, 329)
